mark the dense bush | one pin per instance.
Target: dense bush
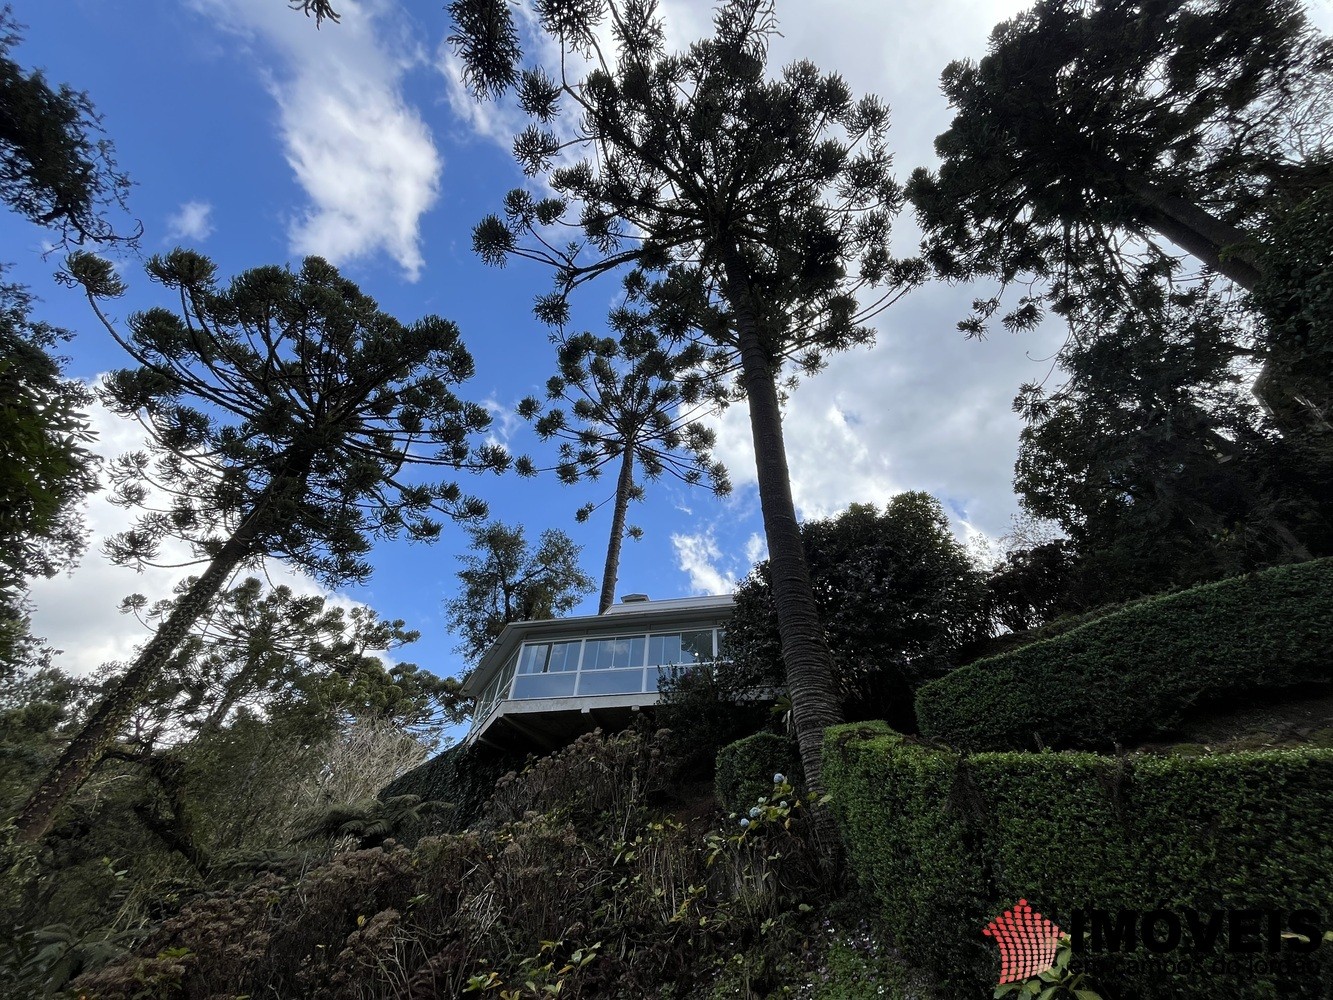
(1296, 297)
(555, 903)
(745, 769)
(703, 713)
(594, 778)
(462, 776)
(897, 594)
(1138, 671)
(947, 842)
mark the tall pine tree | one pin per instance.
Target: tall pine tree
(748, 210)
(631, 402)
(286, 411)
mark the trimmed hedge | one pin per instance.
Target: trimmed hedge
(947, 842)
(745, 769)
(463, 776)
(1137, 671)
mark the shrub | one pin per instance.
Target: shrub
(897, 597)
(599, 782)
(1137, 671)
(745, 769)
(946, 842)
(463, 776)
(534, 907)
(701, 709)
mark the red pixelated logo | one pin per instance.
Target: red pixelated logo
(1027, 942)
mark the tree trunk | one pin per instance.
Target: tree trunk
(175, 830)
(88, 747)
(231, 694)
(805, 654)
(609, 572)
(1205, 237)
(1228, 450)
(1194, 230)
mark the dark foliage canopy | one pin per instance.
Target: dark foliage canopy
(690, 158)
(45, 467)
(1153, 457)
(270, 652)
(1093, 128)
(617, 394)
(505, 579)
(292, 395)
(897, 595)
(55, 169)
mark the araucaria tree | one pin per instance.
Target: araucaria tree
(634, 402)
(504, 579)
(750, 210)
(286, 412)
(263, 651)
(1095, 128)
(56, 169)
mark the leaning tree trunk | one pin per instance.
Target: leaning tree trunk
(86, 750)
(805, 655)
(1229, 251)
(624, 485)
(1217, 244)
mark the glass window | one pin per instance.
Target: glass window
(611, 682)
(564, 656)
(696, 647)
(532, 659)
(663, 649)
(545, 686)
(605, 654)
(662, 672)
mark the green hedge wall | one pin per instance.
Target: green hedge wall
(1137, 671)
(745, 769)
(946, 842)
(463, 776)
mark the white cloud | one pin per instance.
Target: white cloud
(698, 555)
(77, 611)
(363, 155)
(505, 422)
(756, 549)
(192, 221)
(924, 409)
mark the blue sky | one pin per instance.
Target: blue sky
(256, 139)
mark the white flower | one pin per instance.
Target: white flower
(779, 778)
(745, 822)
(754, 813)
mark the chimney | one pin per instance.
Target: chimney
(633, 598)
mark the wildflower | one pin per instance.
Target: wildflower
(745, 822)
(783, 803)
(779, 778)
(754, 812)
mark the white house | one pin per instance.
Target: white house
(544, 682)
